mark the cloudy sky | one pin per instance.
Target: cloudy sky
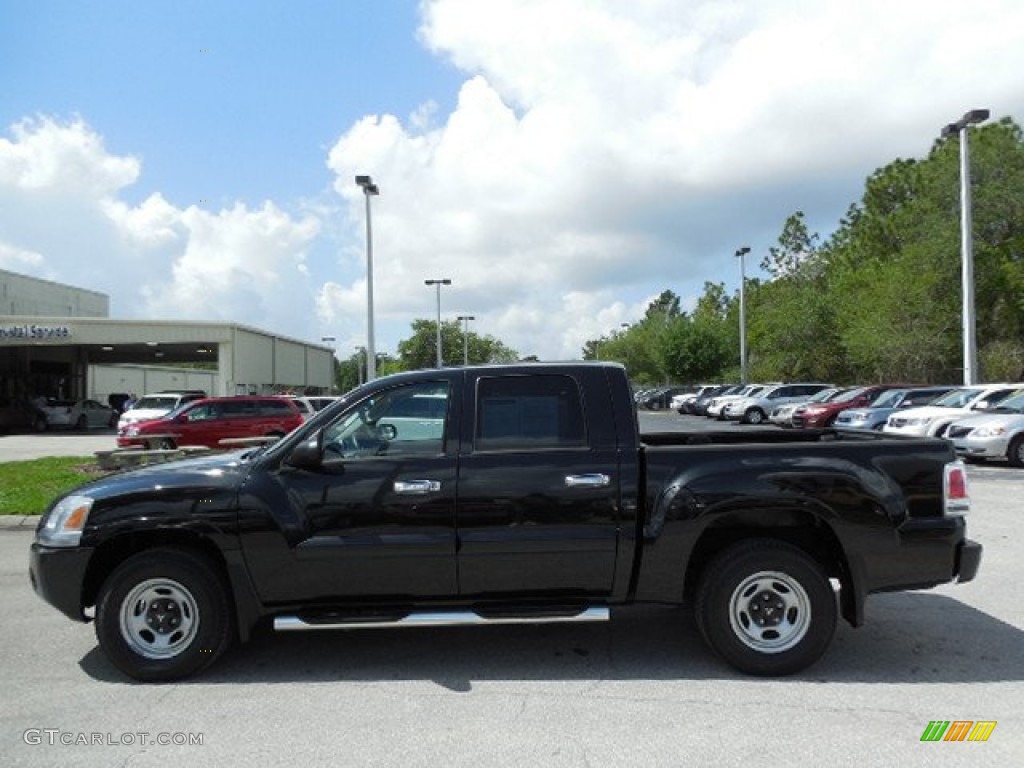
(561, 161)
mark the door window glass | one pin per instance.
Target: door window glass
(528, 412)
(403, 420)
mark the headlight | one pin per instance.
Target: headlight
(920, 421)
(993, 431)
(814, 410)
(64, 523)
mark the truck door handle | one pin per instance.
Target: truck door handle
(417, 487)
(594, 480)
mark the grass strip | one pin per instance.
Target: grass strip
(28, 487)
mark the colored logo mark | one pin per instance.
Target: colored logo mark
(958, 730)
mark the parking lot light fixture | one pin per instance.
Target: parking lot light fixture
(740, 254)
(464, 319)
(439, 282)
(959, 128)
(369, 190)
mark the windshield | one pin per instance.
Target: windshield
(851, 394)
(1014, 403)
(890, 399)
(824, 396)
(958, 398)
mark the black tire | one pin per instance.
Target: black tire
(766, 607)
(168, 444)
(164, 614)
(82, 423)
(754, 416)
(1015, 453)
(40, 424)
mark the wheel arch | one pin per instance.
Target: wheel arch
(228, 565)
(802, 528)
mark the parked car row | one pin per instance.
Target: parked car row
(659, 398)
(984, 421)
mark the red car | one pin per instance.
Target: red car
(210, 420)
(824, 414)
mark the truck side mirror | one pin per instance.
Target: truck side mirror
(309, 454)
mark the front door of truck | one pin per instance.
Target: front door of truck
(538, 490)
(376, 520)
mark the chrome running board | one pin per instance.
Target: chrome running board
(445, 619)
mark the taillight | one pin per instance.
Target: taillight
(955, 490)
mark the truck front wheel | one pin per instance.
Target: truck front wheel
(766, 607)
(163, 614)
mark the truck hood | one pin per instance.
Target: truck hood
(219, 472)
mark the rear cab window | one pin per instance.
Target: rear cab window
(516, 413)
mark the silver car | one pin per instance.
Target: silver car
(997, 434)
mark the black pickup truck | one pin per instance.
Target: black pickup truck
(493, 495)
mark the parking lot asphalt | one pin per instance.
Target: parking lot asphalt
(37, 445)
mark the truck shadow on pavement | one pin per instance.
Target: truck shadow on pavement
(909, 637)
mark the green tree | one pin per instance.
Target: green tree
(695, 350)
(420, 350)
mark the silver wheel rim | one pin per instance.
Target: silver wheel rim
(769, 612)
(159, 619)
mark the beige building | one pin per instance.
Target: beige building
(57, 341)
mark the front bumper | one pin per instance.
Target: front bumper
(983, 447)
(57, 575)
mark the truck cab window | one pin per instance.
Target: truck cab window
(526, 412)
(403, 420)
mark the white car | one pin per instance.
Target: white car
(154, 406)
(80, 414)
(932, 420)
(996, 434)
(716, 406)
(305, 406)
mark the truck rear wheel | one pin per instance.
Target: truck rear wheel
(766, 607)
(163, 614)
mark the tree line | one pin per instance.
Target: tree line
(420, 351)
(878, 300)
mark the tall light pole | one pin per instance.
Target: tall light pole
(360, 352)
(740, 254)
(334, 371)
(464, 319)
(973, 117)
(439, 282)
(369, 190)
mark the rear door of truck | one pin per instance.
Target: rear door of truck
(538, 490)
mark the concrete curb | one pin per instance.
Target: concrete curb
(19, 522)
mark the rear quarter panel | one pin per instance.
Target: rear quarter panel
(856, 496)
